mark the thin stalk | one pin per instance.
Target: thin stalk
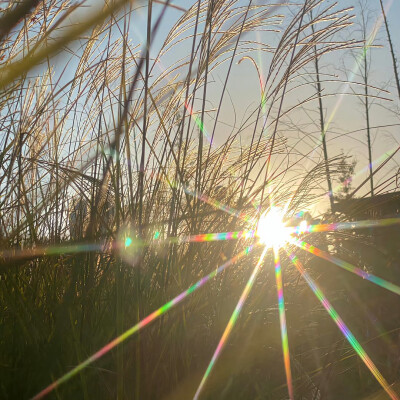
(141, 187)
(367, 118)
(392, 53)
(322, 123)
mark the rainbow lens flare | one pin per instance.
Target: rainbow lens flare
(144, 322)
(231, 323)
(282, 320)
(347, 266)
(342, 326)
(343, 226)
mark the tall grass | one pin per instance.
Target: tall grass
(109, 144)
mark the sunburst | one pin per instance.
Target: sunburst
(272, 232)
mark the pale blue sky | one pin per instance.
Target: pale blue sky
(350, 114)
(244, 90)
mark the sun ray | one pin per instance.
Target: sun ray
(282, 320)
(231, 323)
(342, 226)
(209, 200)
(217, 204)
(202, 237)
(211, 237)
(342, 326)
(19, 254)
(69, 248)
(144, 322)
(347, 266)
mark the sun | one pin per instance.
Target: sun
(272, 230)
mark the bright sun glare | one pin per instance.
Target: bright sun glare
(271, 229)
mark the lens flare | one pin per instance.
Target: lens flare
(347, 266)
(345, 225)
(282, 320)
(231, 323)
(271, 229)
(140, 325)
(343, 327)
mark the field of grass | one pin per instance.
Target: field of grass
(140, 144)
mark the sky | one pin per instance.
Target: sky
(345, 112)
(346, 133)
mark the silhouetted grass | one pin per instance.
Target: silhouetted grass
(103, 147)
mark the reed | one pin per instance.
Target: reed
(102, 150)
